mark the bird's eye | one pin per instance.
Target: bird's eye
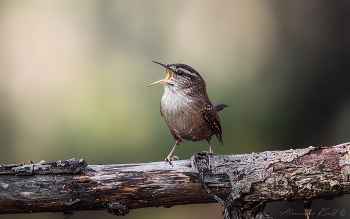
(180, 72)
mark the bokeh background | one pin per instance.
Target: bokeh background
(73, 77)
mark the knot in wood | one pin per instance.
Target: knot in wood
(201, 163)
(117, 208)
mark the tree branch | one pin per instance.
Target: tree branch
(242, 183)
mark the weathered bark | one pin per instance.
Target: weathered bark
(246, 182)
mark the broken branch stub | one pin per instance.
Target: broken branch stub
(293, 175)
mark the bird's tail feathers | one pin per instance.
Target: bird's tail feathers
(220, 106)
(219, 138)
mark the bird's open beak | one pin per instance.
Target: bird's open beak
(168, 77)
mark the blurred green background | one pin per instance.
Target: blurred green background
(73, 77)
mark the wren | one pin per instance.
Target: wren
(186, 107)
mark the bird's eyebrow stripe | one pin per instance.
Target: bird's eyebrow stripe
(187, 72)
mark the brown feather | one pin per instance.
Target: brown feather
(211, 117)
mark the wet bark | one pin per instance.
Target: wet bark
(243, 184)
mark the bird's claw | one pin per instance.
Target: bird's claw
(169, 159)
(210, 152)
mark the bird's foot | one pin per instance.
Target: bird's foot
(169, 159)
(210, 152)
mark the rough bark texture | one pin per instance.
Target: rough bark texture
(243, 184)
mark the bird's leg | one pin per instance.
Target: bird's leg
(169, 158)
(210, 151)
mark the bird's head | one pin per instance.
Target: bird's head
(181, 76)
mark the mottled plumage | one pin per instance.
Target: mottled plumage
(186, 107)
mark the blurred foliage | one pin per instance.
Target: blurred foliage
(73, 77)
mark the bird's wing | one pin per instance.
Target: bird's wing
(211, 117)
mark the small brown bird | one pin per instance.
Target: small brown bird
(186, 107)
